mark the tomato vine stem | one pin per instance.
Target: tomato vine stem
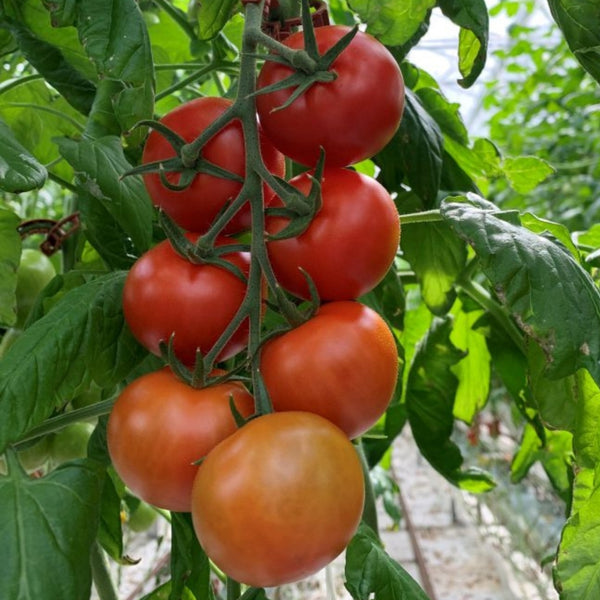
(101, 574)
(426, 216)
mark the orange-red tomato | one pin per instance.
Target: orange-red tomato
(342, 364)
(348, 247)
(159, 427)
(279, 499)
(195, 207)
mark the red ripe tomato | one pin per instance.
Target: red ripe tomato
(342, 364)
(279, 499)
(348, 247)
(159, 427)
(165, 293)
(196, 207)
(352, 117)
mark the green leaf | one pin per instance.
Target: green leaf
(10, 256)
(553, 231)
(100, 165)
(392, 22)
(190, 567)
(83, 338)
(371, 573)
(49, 62)
(472, 17)
(586, 440)
(525, 270)
(110, 532)
(577, 572)
(445, 113)
(481, 162)
(37, 115)
(437, 257)
(121, 52)
(580, 24)
(430, 394)
(473, 371)
(554, 399)
(525, 173)
(47, 531)
(555, 454)
(414, 152)
(19, 170)
(213, 16)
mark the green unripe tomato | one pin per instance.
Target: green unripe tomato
(35, 456)
(141, 517)
(88, 397)
(34, 273)
(71, 442)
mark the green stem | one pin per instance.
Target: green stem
(199, 74)
(178, 16)
(62, 182)
(369, 515)
(55, 423)
(52, 111)
(234, 589)
(485, 300)
(13, 83)
(101, 574)
(426, 216)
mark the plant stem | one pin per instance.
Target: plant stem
(55, 423)
(369, 515)
(485, 300)
(178, 16)
(101, 574)
(427, 216)
(13, 83)
(199, 74)
(52, 111)
(234, 589)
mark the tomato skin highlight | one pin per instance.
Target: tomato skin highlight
(348, 247)
(342, 364)
(279, 499)
(159, 427)
(165, 293)
(196, 207)
(352, 117)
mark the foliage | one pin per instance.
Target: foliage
(542, 104)
(477, 285)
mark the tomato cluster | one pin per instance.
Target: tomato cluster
(277, 498)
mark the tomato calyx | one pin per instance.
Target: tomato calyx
(203, 251)
(188, 161)
(300, 209)
(309, 65)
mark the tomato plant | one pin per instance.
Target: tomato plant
(279, 499)
(351, 118)
(357, 228)
(196, 206)
(476, 312)
(165, 294)
(160, 427)
(342, 364)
